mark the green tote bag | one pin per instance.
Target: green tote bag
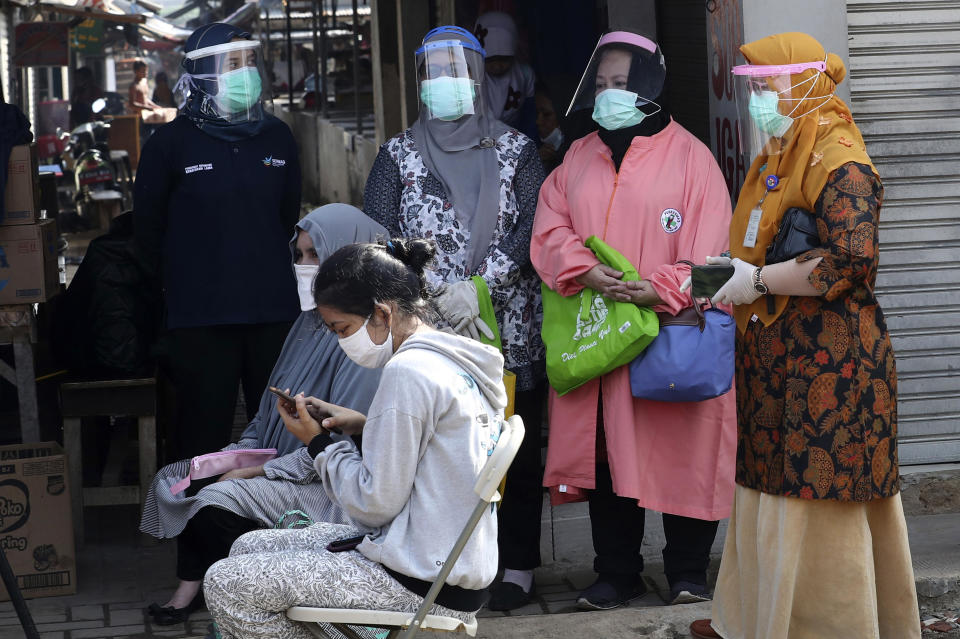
(588, 335)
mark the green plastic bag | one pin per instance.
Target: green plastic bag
(487, 313)
(588, 335)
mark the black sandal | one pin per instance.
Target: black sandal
(168, 615)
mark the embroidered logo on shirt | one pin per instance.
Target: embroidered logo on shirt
(272, 161)
(207, 166)
(671, 220)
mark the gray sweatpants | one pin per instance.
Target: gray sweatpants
(269, 571)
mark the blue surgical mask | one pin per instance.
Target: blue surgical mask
(764, 112)
(448, 98)
(617, 109)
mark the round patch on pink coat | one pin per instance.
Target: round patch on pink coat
(671, 220)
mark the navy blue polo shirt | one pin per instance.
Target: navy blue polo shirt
(214, 219)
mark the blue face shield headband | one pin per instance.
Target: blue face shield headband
(470, 43)
(449, 70)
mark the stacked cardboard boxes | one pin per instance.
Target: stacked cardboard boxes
(28, 244)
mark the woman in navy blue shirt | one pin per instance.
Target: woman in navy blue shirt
(217, 195)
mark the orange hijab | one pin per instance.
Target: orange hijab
(817, 144)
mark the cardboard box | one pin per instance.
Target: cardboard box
(36, 531)
(28, 263)
(22, 196)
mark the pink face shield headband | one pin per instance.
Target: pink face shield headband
(630, 38)
(763, 70)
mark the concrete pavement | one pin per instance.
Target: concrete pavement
(120, 573)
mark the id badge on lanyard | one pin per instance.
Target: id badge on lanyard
(753, 224)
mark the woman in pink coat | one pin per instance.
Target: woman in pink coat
(651, 190)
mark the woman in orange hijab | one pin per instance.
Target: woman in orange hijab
(817, 544)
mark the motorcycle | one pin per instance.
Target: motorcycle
(102, 178)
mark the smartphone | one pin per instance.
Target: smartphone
(708, 278)
(279, 393)
(343, 545)
(313, 410)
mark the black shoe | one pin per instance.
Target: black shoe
(611, 591)
(168, 615)
(509, 596)
(684, 592)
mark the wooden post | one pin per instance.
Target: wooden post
(413, 22)
(386, 72)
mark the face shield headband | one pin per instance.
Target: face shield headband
(619, 97)
(238, 90)
(448, 72)
(764, 102)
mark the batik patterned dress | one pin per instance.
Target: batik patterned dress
(817, 388)
(409, 201)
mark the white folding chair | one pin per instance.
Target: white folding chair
(396, 622)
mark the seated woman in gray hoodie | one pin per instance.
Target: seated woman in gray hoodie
(210, 515)
(436, 415)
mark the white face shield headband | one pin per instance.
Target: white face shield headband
(235, 69)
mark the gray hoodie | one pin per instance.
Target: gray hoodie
(432, 423)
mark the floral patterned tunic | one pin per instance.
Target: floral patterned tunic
(817, 389)
(404, 197)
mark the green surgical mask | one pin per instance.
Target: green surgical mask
(448, 98)
(239, 90)
(764, 112)
(617, 109)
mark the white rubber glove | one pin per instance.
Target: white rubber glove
(459, 306)
(739, 288)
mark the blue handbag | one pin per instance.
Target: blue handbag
(690, 360)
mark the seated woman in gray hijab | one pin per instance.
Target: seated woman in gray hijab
(206, 521)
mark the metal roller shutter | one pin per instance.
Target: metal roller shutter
(905, 86)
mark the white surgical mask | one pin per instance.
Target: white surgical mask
(306, 273)
(361, 348)
(555, 139)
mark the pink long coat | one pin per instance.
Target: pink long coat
(669, 202)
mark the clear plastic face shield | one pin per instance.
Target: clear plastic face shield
(770, 99)
(230, 76)
(622, 81)
(449, 73)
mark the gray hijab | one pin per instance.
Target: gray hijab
(312, 361)
(468, 171)
(333, 226)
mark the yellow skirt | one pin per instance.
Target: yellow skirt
(798, 569)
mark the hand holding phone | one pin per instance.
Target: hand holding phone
(314, 411)
(707, 279)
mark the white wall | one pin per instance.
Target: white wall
(825, 20)
(333, 163)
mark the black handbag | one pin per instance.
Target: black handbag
(797, 234)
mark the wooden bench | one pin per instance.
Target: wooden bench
(108, 398)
